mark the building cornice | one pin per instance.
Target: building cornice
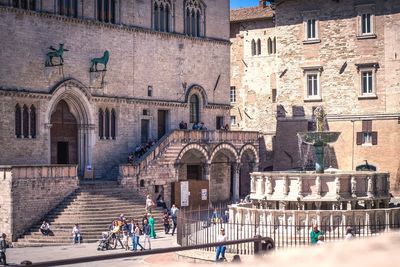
(123, 27)
(111, 99)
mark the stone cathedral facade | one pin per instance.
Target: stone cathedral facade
(168, 62)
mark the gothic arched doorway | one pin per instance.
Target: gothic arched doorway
(63, 135)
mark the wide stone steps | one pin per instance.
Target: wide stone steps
(93, 209)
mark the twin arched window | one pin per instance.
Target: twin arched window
(107, 124)
(25, 121)
(255, 47)
(194, 109)
(194, 18)
(162, 17)
(106, 11)
(67, 8)
(24, 4)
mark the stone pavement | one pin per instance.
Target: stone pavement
(39, 254)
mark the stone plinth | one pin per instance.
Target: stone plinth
(300, 190)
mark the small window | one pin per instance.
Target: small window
(146, 112)
(366, 24)
(150, 91)
(367, 136)
(18, 121)
(365, 21)
(233, 120)
(312, 83)
(141, 183)
(101, 124)
(219, 123)
(233, 94)
(194, 109)
(311, 29)
(270, 46)
(366, 82)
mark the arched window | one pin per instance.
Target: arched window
(194, 19)
(194, 109)
(107, 124)
(106, 11)
(270, 46)
(253, 47)
(274, 45)
(68, 8)
(258, 47)
(162, 15)
(113, 123)
(24, 4)
(101, 124)
(33, 122)
(25, 122)
(18, 121)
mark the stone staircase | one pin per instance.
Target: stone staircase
(163, 163)
(93, 206)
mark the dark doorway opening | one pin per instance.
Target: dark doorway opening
(144, 132)
(62, 153)
(219, 122)
(162, 123)
(194, 172)
(64, 135)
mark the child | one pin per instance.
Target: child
(125, 240)
(320, 240)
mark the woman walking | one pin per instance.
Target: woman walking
(136, 238)
(151, 223)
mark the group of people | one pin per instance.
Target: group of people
(140, 150)
(199, 126)
(317, 237)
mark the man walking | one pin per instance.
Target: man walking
(3, 247)
(174, 214)
(146, 233)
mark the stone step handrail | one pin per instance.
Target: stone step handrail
(186, 136)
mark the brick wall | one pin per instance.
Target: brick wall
(32, 192)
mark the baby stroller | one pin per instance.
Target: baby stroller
(105, 241)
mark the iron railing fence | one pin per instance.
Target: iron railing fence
(198, 227)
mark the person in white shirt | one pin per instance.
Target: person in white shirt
(221, 249)
(76, 234)
(149, 204)
(45, 228)
(320, 240)
(174, 217)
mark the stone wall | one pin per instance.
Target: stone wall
(32, 192)
(338, 51)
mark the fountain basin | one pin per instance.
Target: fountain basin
(318, 138)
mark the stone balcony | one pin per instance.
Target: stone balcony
(337, 187)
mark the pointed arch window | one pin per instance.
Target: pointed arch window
(274, 46)
(67, 8)
(107, 124)
(101, 124)
(113, 123)
(106, 11)
(194, 18)
(194, 109)
(33, 122)
(18, 121)
(25, 122)
(253, 47)
(270, 46)
(162, 17)
(258, 47)
(24, 4)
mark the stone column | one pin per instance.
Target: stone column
(353, 189)
(206, 171)
(387, 220)
(318, 186)
(285, 185)
(253, 184)
(236, 180)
